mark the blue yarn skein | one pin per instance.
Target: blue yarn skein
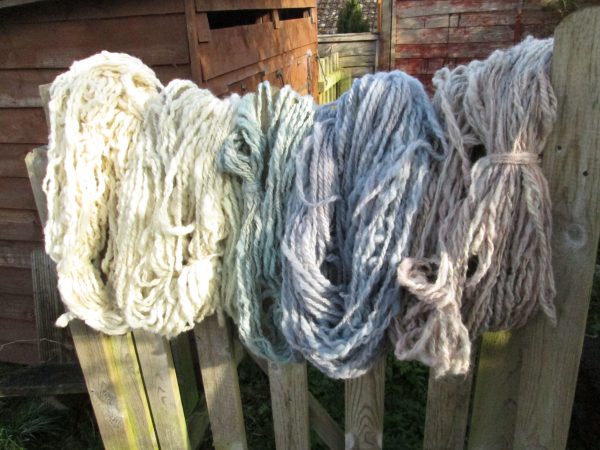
(259, 156)
(360, 176)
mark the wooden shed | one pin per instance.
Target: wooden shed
(225, 45)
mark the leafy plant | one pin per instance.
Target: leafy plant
(351, 20)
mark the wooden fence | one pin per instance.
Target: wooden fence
(334, 80)
(143, 388)
(357, 51)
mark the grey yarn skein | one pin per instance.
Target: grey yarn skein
(484, 260)
(259, 157)
(359, 183)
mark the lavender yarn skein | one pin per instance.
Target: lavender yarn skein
(360, 176)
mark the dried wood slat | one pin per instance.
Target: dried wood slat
(364, 405)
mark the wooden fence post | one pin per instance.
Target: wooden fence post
(289, 400)
(364, 400)
(218, 366)
(535, 369)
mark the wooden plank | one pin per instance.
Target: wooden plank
(358, 60)
(48, 307)
(249, 44)
(36, 162)
(447, 412)
(412, 65)
(386, 34)
(15, 193)
(69, 10)
(348, 48)
(17, 253)
(17, 330)
(193, 38)
(496, 391)
(20, 225)
(15, 281)
(320, 420)
(116, 388)
(17, 307)
(221, 385)
(348, 37)
(481, 34)
(364, 409)
(162, 389)
(183, 360)
(154, 39)
(12, 160)
(289, 399)
(415, 8)
(486, 19)
(19, 352)
(43, 381)
(219, 85)
(455, 50)
(23, 126)
(422, 36)
(571, 164)
(19, 87)
(429, 21)
(227, 5)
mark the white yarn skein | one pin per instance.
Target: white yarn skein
(95, 114)
(169, 267)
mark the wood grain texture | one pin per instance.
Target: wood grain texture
(23, 125)
(17, 307)
(36, 162)
(364, 409)
(571, 163)
(154, 39)
(17, 253)
(447, 412)
(20, 225)
(289, 400)
(15, 281)
(48, 307)
(496, 392)
(19, 352)
(12, 160)
(385, 34)
(221, 385)
(15, 193)
(114, 382)
(162, 389)
(228, 5)
(69, 10)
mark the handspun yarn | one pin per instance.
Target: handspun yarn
(360, 179)
(484, 260)
(171, 221)
(96, 111)
(259, 157)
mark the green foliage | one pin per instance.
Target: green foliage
(351, 20)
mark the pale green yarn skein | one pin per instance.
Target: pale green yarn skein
(260, 157)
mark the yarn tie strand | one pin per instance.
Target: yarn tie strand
(359, 182)
(485, 264)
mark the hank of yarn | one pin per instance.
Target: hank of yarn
(172, 224)
(96, 112)
(259, 157)
(360, 179)
(483, 261)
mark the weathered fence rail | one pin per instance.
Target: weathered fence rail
(357, 51)
(144, 392)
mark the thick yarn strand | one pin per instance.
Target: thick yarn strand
(359, 185)
(259, 159)
(484, 260)
(96, 111)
